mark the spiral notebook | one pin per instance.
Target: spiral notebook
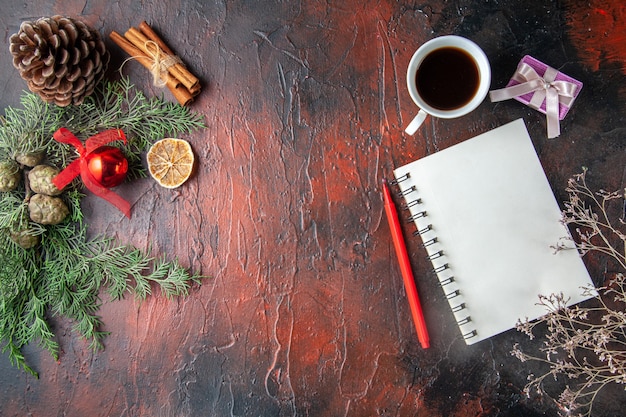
(489, 222)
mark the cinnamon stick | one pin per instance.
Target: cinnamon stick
(177, 70)
(181, 94)
(147, 30)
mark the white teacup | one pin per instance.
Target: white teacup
(447, 77)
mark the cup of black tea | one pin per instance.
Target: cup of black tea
(448, 77)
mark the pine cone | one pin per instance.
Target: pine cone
(40, 180)
(9, 175)
(44, 209)
(61, 59)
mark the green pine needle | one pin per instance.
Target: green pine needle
(64, 274)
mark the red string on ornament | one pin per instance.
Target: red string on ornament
(79, 166)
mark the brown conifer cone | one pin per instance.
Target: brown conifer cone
(62, 59)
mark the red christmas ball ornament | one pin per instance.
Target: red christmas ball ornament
(107, 165)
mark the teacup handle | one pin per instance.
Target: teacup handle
(416, 122)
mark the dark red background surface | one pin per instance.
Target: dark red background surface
(304, 311)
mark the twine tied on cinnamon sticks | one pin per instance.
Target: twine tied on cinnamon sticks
(167, 69)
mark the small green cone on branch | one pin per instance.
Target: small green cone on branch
(45, 209)
(25, 238)
(30, 159)
(10, 175)
(40, 180)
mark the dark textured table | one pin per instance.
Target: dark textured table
(304, 312)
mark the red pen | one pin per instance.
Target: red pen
(405, 268)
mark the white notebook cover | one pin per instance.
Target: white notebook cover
(494, 221)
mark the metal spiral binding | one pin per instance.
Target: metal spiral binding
(464, 321)
(409, 190)
(469, 335)
(399, 180)
(446, 281)
(453, 294)
(450, 295)
(458, 308)
(412, 203)
(423, 230)
(435, 255)
(418, 215)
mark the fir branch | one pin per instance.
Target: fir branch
(28, 130)
(35, 316)
(12, 207)
(117, 105)
(65, 273)
(172, 278)
(114, 105)
(16, 357)
(130, 269)
(16, 272)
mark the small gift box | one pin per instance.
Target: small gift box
(543, 88)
